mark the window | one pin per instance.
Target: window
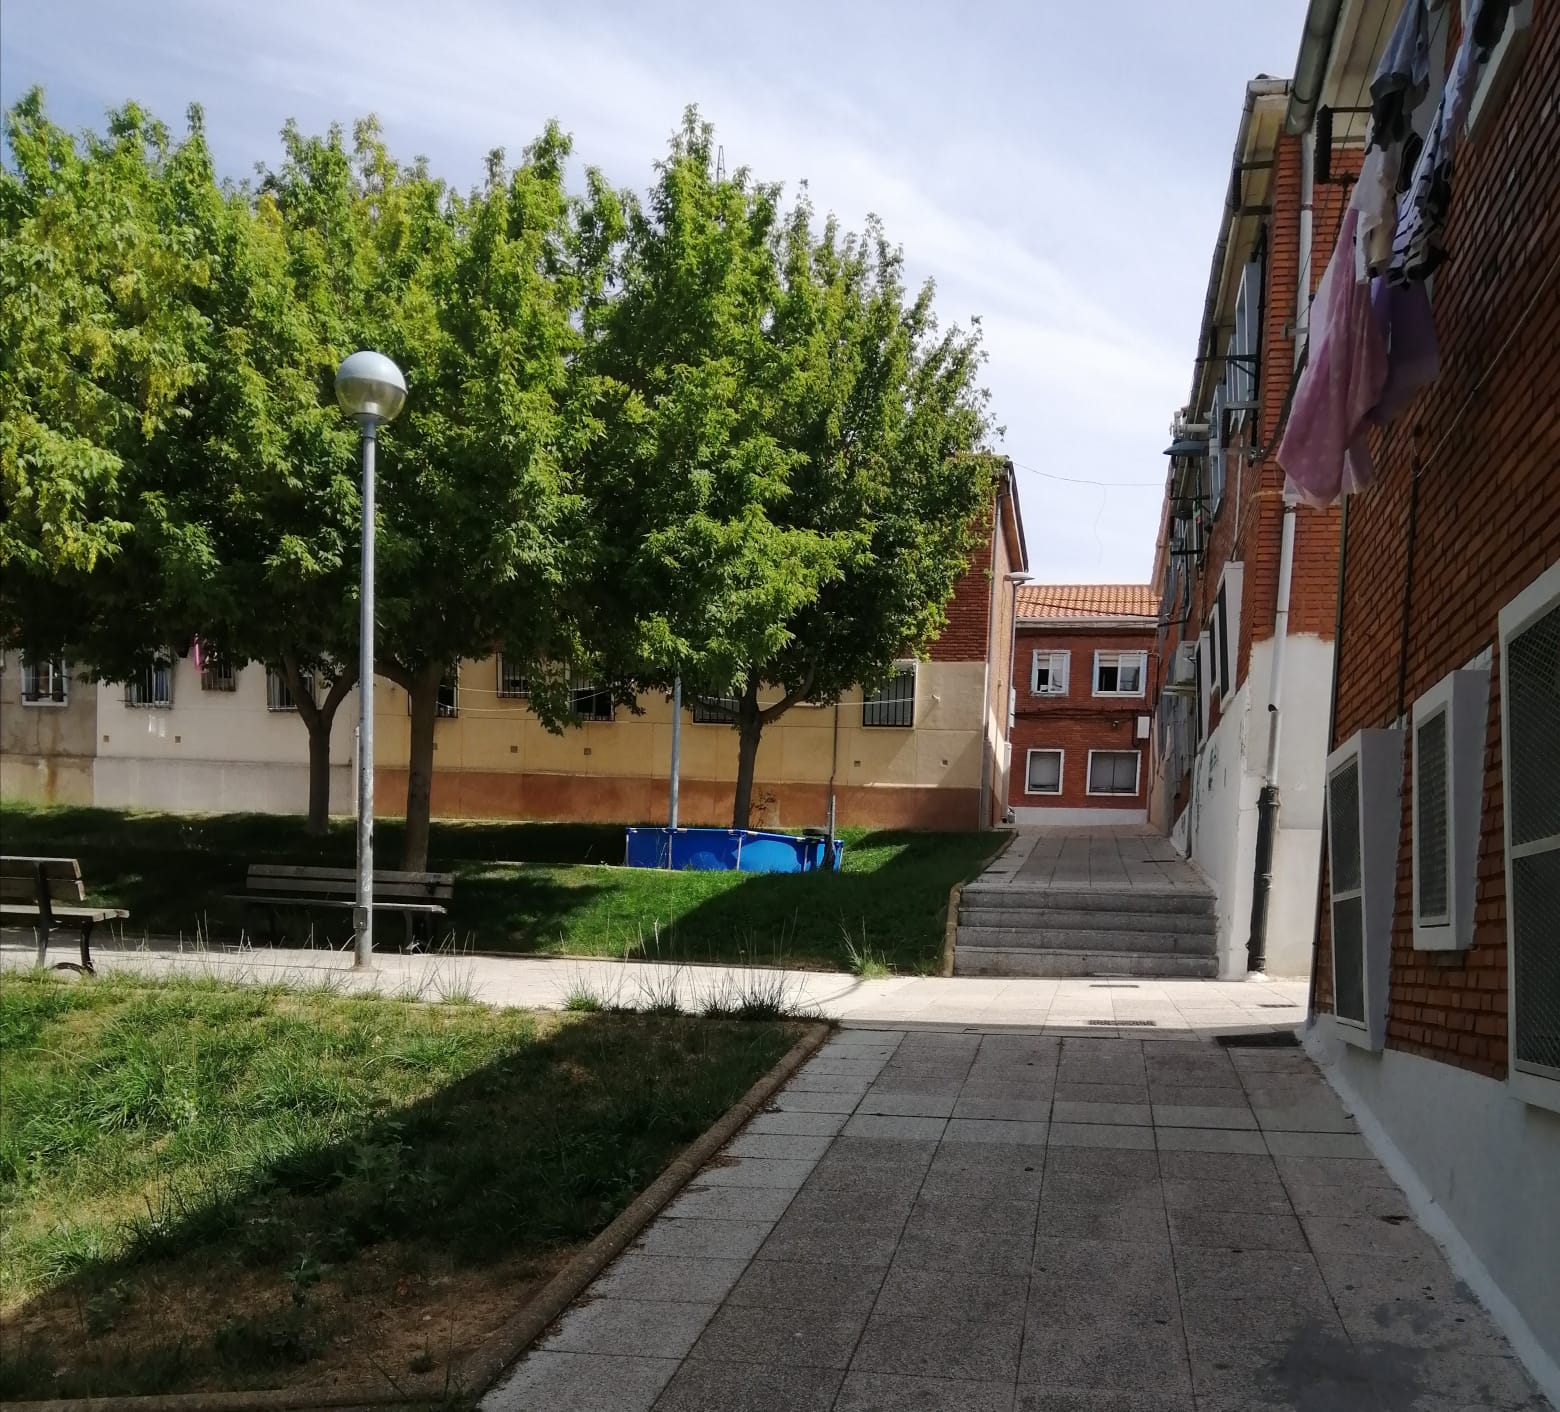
(715, 710)
(1113, 771)
(589, 700)
(513, 683)
(1448, 746)
(448, 703)
(152, 685)
(1505, 59)
(1530, 742)
(217, 673)
(1200, 668)
(45, 683)
(1364, 776)
(1048, 673)
(1243, 353)
(1044, 772)
(1216, 454)
(1119, 673)
(278, 695)
(893, 703)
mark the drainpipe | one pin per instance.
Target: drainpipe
(1267, 801)
(671, 821)
(983, 819)
(1316, 42)
(834, 765)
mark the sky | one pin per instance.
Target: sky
(1057, 169)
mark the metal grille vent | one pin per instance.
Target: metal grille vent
(1430, 823)
(1348, 916)
(1343, 824)
(1126, 1024)
(1533, 707)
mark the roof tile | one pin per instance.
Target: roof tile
(1087, 600)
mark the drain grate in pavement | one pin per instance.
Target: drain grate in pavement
(1271, 1039)
(1124, 1024)
(1276, 1005)
(1113, 985)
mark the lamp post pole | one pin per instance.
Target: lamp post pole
(371, 390)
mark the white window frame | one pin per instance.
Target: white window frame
(58, 669)
(1504, 62)
(159, 673)
(1102, 659)
(1060, 680)
(1216, 457)
(1532, 1084)
(1137, 776)
(1241, 379)
(1378, 757)
(1463, 698)
(276, 687)
(1061, 770)
(1225, 644)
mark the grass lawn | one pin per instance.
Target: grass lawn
(208, 1186)
(535, 888)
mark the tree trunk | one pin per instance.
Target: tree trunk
(749, 728)
(419, 773)
(318, 719)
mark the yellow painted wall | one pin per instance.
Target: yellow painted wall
(46, 750)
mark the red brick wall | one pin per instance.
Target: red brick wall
(969, 611)
(1079, 721)
(1488, 522)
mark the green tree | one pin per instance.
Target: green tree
(789, 486)
(480, 531)
(171, 471)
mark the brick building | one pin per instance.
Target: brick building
(926, 749)
(1246, 582)
(1437, 983)
(1084, 673)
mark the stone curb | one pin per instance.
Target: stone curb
(505, 1344)
(951, 931)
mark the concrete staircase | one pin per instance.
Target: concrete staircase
(1018, 929)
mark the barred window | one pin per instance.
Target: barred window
(152, 685)
(513, 683)
(893, 703)
(45, 683)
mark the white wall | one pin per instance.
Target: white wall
(1482, 1170)
(1218, 828)
(214, 751)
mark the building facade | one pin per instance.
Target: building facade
(1246, 580)
(928, 749)
(1437, 983)
(1084, 670)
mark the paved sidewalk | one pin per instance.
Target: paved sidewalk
(965, 1222)
(1106, 857)
(1103, 1007)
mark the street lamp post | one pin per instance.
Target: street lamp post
(371, 391)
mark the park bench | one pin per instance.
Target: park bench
(48, 895)
(418, 897)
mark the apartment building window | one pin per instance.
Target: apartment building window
(1243, 353)
(152, 685)
(1048, 673)
(1216, 461)
(1505, 59)
(893, 703)
(1364, 776)
(1530, 737)
(513, 683)
(448, 703)
(1114, 771)
(278, 695)
(1043, 772)
(589, 700)
(1448, 799)
(716, 710)
(1120, 673)
(45, 683)
(217, 673)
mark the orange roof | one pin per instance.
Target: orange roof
(1087, 600)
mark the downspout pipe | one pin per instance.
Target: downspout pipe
(1316, 42)
(1268, 800)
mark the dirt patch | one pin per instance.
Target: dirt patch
(389, 1320)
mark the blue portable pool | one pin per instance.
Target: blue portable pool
(727, 850)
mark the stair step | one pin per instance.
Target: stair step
(1084, 919)
(1047, 939)
(997, 961)
(1197, 901)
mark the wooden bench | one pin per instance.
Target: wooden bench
(47, 894)
(418, 897)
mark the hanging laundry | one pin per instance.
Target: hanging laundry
(1401, 81)
(1325, 452)
(1403, 314)
(1418, 244)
